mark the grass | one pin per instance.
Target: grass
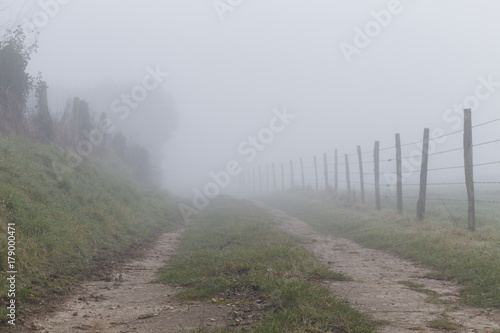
(432, 296)
(233, 247)
(443, 324)
(472, 259)
(65, 227)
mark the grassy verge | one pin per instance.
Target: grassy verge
(64, 227)
(233, 247)
(472, 259)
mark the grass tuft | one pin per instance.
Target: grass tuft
(443, 324)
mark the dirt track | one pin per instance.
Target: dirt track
(382, 282)
(127, 301)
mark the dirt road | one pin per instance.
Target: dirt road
(391, 289)
(384, 286)
(127, 301)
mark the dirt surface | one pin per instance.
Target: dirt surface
(126, 301)
(387, 288)
(384, 286)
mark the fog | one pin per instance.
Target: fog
(320, 74)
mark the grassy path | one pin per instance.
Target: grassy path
(235, 250)
(471, 259)
(390, 289)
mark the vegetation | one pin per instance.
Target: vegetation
(24, 111)
(15, 83)
(65, 226)
(233, 247)
(443, 324)
(472, 259)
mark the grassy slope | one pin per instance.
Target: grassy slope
(473, 259)
(233, 247)
(63, 226)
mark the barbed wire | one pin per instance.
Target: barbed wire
(487, 163)
(444, 199)
(486, 143)
(446, 168)
(435, 184)
(486, 123)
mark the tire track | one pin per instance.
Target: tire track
(390, 289)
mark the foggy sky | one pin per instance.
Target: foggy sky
(227, 76)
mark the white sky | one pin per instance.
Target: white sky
(227, 76)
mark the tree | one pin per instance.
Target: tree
(148, 123)
(15, 83)
(119, 144)
(42, 120)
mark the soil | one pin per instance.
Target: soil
(126, 299)
(383, 286)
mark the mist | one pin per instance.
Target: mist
(212, 83)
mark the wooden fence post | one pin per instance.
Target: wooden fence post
(260, 180)
(282, 176)
(302, 174)
(274, 178)
(347, 175)
(399, 174)
(361, 175)
(469, 168)
(254, 181)
(327, 185)
(423, 177)
(249, 181)
(376, 159)
(291, 174)
(241, 181)
(267, 177)
(336, 188)
(316, 172)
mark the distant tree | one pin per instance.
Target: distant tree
(150, 122)
(138, 159)
(119, 144)
(42, 119)
(15, 82)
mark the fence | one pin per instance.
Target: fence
(325, 172)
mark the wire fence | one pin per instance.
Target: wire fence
(389, 169)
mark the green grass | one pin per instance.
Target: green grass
(234, 247)
(472, 259)
(432, 296)
(443, 324)
(65, 226)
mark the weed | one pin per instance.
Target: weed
(443, 324)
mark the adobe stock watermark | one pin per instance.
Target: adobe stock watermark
(47, 10)
(363, 36)
(453, 116)
(222, 7)
(121, 106)
(247, 149)
(11, 273)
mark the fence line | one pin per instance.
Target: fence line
(310, 172)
